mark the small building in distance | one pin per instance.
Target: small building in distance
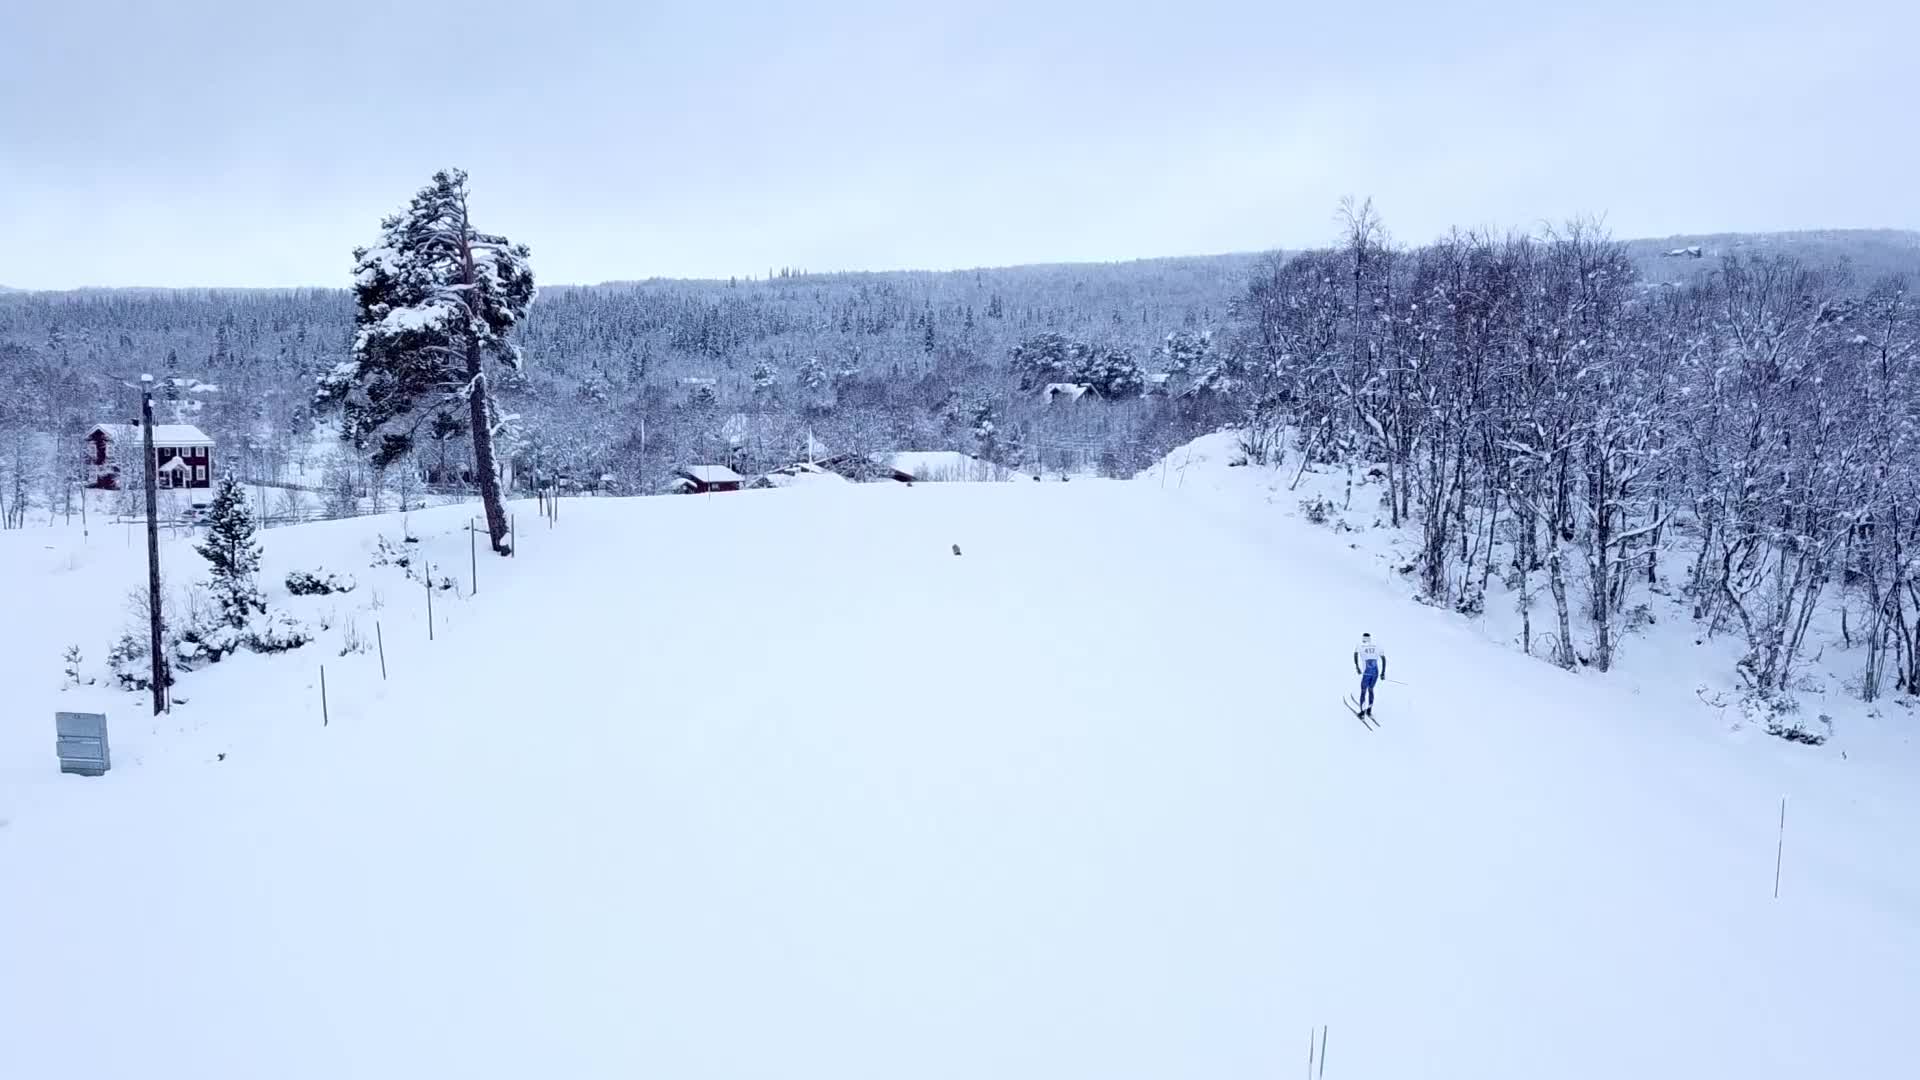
(799, 474)
(182, 452)
(930, 466)
(701, 479)
(859, 468)
(1063, 393)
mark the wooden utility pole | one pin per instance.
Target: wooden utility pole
(159, 658)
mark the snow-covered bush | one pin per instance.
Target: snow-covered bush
(131, 662)
(1263, 439)
(205, 640)
(278, 632)
(1796, 729)
(310, 583)
(1317, 509)
(1781, 716)
(387, 553)
(352, 640)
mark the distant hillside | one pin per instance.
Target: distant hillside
(631, 379)
(1872, 253)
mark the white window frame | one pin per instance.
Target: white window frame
(199, 474)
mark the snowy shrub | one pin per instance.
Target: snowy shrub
(1263, 440)
(1472, 603)
(310, 583)
(351, 639)
(1795, 729)
(288, 507)
(207, 642)
(341, 487)
(205, 633)
(1782, 718)
(386, 554)
(1316, 509)
(130, 661)
(1640, 617)
(278, 632)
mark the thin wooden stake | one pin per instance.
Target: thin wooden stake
(1323, 1049)
(325, 719)
(1780, 851)
(382, 639)
(473, 556)
(1309, 1054)
(427, 572)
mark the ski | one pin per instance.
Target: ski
(1354, 708)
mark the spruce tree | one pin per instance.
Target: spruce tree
(986, 436)
(435, 300)
(235, 556)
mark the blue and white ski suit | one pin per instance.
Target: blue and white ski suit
(1371, 665)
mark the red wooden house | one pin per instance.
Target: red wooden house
(183, 453)
(701, 479)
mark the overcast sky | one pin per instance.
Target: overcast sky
(206, 142)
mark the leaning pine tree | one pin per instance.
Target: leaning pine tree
(436, 300)
(234, 555)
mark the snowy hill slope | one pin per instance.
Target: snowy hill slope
(776, 785)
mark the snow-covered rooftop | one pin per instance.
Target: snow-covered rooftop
(937, 465)
(801, 474)
(711, 474)
(163, 434)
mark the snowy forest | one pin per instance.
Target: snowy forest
(1555, 407)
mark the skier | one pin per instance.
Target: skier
(1371, 665)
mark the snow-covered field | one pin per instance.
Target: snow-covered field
(774, 784)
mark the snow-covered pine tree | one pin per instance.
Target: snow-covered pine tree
(234, 555)
(766, 378)
(986, 438)
(436, 299)
(1114, 374)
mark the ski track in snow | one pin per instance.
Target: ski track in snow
(775, 785)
